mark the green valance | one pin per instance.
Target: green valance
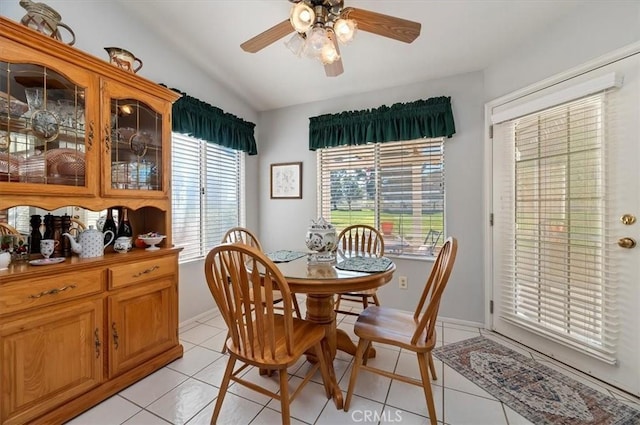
(402, 121)
(203, 121)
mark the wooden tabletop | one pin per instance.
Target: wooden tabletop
(325, 278)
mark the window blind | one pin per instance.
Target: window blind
(206, 194)
(557, 277)
(397, 187)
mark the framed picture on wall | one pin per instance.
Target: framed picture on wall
(286, 180)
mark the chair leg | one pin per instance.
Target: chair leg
(376, 301)
(284, 396)
(365, 301)
(223, 388)
(321, 355)
(224, 344)
(357, 361)
(365, 356)
(432, 367)
(426, 386)
(337, 306)
(296, 307)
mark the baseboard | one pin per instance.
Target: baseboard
(198, 317)
(461, 322)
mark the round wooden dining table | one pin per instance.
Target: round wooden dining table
(321, 282)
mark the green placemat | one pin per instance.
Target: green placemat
(284, 256)
(365, 264)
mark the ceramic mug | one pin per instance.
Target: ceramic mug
(47, 246)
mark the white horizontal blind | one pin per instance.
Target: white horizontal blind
(556, 268)
(397, 187)
(206, 194)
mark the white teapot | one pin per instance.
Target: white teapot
(91, 242)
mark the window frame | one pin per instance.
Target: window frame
(374, 161)
(216, 180)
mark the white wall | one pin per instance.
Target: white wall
(591, 31)
(282, 135)
(99, 24)
(283, 223)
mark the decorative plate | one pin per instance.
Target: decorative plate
(46, 261)
(45, 125)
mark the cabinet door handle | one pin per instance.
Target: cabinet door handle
(115, 334)
(107, 137)
(147, 271)
(91, 135)
(52, 291)
(97, 343)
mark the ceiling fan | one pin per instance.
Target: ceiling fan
(319, 25)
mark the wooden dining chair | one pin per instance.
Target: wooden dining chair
(243, 235)
(258, 336)
(412, 332)
(77, 226)
(7, 229)
(364, 240)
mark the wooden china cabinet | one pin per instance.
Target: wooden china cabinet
(78, 131)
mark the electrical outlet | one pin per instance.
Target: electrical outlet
(403, 282)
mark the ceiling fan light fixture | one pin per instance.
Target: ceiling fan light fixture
(345, 30)
(317, 39)
(329, 54)
(301, 17)
(296, 44)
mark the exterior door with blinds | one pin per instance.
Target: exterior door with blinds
(565, 173)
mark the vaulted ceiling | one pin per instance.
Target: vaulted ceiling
(457, 36)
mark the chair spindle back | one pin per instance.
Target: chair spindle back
(233, 271)
(361, 239)
(426, 312)
(243, 235)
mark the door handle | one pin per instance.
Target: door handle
(627, 243)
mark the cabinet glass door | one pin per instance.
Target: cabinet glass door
(44, 135)
(136, 151)
(137, 126)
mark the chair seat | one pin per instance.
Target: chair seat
(305, 335)
(390, 326)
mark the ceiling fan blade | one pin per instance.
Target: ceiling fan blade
(267, 37)
(384, 25)
(334, 69)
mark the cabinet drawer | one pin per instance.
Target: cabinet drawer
(50, 290)
(141, 271)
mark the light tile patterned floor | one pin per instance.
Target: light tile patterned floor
(184, 391)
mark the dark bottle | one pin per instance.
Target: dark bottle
(109, 224)
(124, 228)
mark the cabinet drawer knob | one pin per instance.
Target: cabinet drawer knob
(52, 291)
(147, 271)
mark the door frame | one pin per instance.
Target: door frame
(609, 58)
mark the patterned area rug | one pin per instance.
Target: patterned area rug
(535, 391)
